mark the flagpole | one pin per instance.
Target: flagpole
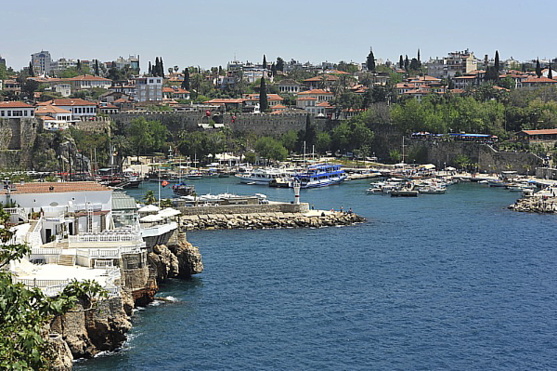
(159, 186)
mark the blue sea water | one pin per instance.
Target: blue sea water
(454, 281)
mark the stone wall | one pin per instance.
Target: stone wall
(259, 124)
(441, 153)
(17, 137)
(246, 209)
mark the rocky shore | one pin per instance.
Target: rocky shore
(87, 329)
(536, 204)
(273, 220)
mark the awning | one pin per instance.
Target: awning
(149, 209)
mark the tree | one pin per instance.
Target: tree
(538, 68)
(263, 102)
(322, 142)
(270, 149)
(186, 82)
(406, 63)
(264, 62)
(97, 67)
(401, 62)
(24, 312)
(78, 66)
(496, 64)
(280, 64)
(146, 135)
(550, 73)
(149, 197)
(31, 70)
(414, 64)
(370, 61)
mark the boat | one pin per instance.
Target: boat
(183, 189)
(194, 174)
(321, 175)
(432, 190)
(404, 192)
(284, 182)
(262, 176)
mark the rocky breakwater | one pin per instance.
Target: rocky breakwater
(270, 220)
(536, 204)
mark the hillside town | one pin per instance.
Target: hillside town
(76, 134)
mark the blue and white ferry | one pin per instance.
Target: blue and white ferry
(321, 175)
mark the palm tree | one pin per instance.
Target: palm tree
(149, 198)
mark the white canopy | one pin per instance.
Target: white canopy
(149, 209)
(169, 212)
(151, 218)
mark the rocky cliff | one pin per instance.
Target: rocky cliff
(89, 329)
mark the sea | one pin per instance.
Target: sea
(438, 282)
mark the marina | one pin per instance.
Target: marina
(415, 279)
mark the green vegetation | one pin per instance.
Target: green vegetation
(24, 312)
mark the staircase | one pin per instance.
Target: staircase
(67, 260)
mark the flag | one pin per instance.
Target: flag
(164, 183)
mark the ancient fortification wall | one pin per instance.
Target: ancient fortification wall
(486, 157)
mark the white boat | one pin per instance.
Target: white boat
(321, 175)
(262, 176)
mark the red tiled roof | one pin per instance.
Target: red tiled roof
(45, 187)
(43, 110)
(15, 104)
(67, 102)
(540, 132)
(539, 80)
(88, 78)
(315, 91)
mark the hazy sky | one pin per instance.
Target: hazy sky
(212, 32)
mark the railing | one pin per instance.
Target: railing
(45, 251)
(42, 284)
(107, 253)
(84, 238)
(103, 264)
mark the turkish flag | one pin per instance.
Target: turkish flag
(164, 183)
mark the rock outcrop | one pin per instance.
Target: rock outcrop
(536, 204)
(89, 329)
(179, 260)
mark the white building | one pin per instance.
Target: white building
(41, 62)
(16, 110)
(148, 89)
(79, 108)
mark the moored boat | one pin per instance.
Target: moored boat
(321, 175)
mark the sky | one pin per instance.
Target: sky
(210, 33)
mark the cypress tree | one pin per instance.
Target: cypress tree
(273, 69)
(497, 67)
(550, 73)
(156, 67)
(31, 71)
(186, 82)
(161, 68)
(406, 63)
(263, 103)
(370, 61)
(419, 60)
(150, 69)
(78, 67)
(264, 62)
(538, 68)
(401, 62)
(97, 67)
